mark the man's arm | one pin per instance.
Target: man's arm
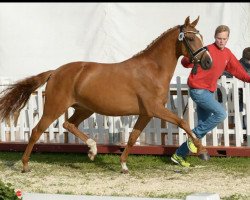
(235, 68)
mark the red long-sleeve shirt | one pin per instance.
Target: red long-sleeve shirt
(222, 60)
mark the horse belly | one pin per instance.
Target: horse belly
(111, 105)
(108, 90)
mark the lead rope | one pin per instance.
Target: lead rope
(194, 69)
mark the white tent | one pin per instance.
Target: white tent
(36, 37)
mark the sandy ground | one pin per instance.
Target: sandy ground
(123, 185)
(173, 181)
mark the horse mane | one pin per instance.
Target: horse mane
(155, 41)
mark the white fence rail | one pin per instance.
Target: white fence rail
(116, 130)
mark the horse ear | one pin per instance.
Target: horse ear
(194, 23)
(187, 21)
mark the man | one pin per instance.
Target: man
(202, 86)
(245, 62)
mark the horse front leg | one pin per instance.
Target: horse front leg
(169, 116)
(141, 123)
(90, 142)
(73, 122)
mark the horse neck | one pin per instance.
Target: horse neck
(165, 51)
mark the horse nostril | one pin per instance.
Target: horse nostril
(208, 63)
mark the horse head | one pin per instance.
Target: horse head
(192, 45)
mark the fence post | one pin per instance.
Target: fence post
(169, 125)
(247, 85)
(225, 93)
(236, 113)
(179, 107)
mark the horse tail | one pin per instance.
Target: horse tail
(15, 97)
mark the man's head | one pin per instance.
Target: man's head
(246, 55)
(221, 36)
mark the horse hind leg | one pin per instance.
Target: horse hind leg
(50, 114)
(140, 124)
(37, 131)
(71, 125)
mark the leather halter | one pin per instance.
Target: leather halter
(193, 55)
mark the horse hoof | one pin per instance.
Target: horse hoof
(25, 170)
(93, 149)
(204, 156)
(91, 156)
(124, 171)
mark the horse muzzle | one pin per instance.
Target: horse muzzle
(206, 62)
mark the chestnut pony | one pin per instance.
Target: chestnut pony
(137, 86)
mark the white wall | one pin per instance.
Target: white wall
(36, 37)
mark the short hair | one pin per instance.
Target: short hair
(246, 53)
(222, 28)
